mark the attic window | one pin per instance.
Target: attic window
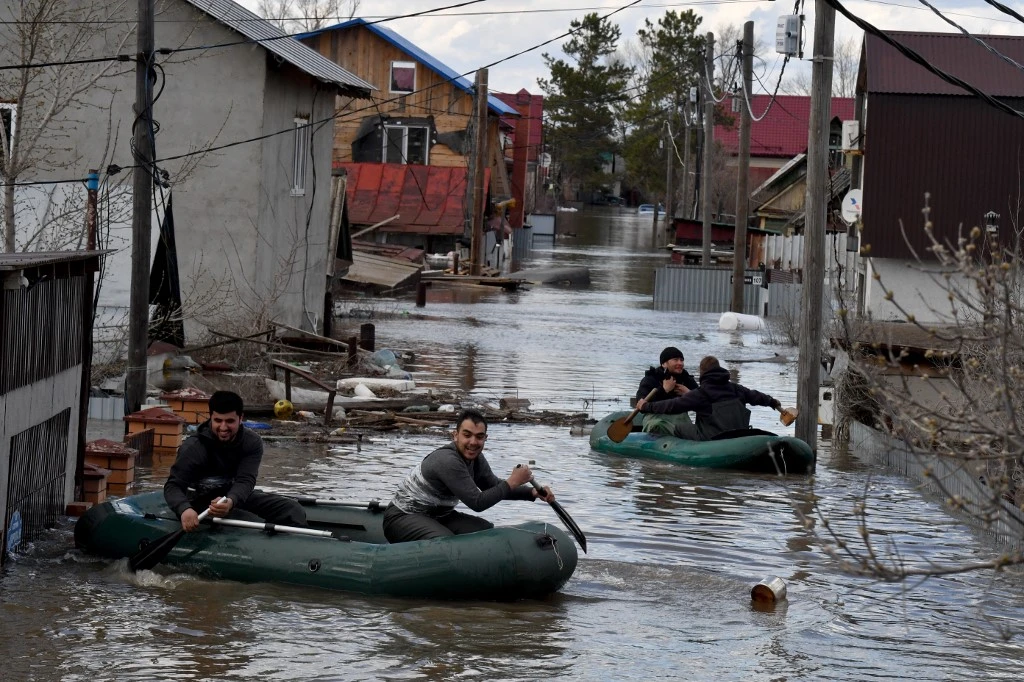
(403, 77)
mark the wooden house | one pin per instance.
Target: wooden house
(421, 116)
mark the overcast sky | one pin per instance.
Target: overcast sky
(480, 33)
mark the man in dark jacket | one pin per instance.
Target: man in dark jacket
(720, 405)
(424, 506)
(670, 380)
(217, 467)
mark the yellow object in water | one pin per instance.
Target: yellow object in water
(283, 409)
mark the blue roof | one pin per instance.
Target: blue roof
(419, 55)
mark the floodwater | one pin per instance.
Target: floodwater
(664, 592)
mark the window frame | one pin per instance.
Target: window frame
(13, 108)
(396, 63)
(405, 144)
(300, 153)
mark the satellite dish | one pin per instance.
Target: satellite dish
(852, 203)
(545, 160)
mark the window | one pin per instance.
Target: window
(403, 77)
(301, 154)
(406, 144)
(8, 115)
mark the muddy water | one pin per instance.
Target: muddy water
(664, 591)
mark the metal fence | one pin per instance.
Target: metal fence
(705, 290)
(35, 487)
(1007, 522)
(41, 331)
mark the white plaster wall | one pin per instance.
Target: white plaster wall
(236, 223)
(917, 288)
(30, 405)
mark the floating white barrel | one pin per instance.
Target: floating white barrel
(733, 321)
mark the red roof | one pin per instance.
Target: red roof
(429, 199)
(889, 71)
(528, 106)
(782, 133)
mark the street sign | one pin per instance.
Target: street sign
(852, 206)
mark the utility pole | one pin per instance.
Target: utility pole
(739, 256)
(809, 365)
(476, 253)
(142, 214)
(670, 157)
(687, 206)
(708, 146)
(92, 186)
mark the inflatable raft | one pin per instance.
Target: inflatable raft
(505, 563)
(749, 450)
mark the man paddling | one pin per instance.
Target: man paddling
(222, 461)
(424, 506)
(720, 404)
(669, 380)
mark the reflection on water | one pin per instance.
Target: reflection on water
(665, 589)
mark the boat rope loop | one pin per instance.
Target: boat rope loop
(546, 540)
(771, 453)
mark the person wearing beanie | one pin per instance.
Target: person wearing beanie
(720, 404)
(669, 380)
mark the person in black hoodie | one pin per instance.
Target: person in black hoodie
(670, 380)
(720, 405)
(217, 467)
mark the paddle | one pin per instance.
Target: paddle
(620, 428)
(156, 551)
(787, 415)
(275, 528)
(564, 516)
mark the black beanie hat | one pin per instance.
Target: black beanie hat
(670, 353)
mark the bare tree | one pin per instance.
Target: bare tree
(296, 16)
(51, 38)
(844, 72)
(949, 406)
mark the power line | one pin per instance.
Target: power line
(918, 59)
(434, 14)
(969, 35)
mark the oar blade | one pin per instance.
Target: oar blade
(571, 525)
(155, 552)
(620, 428)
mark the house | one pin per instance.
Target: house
(922, 135)
(243, 137)
(46, 304)
(417, 135)
(778, 137)
(525, 143)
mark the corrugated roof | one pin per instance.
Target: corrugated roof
(782, 133)
(273, 39)
(10, 262)
(495, 104)
(888, 71)
(429, 199)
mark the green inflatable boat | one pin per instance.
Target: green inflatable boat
(523, 561)
(748, 450)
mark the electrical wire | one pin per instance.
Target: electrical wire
(969, 35)
(918, 59)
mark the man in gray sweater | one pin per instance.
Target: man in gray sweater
(424, 506)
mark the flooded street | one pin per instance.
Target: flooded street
(664, 592)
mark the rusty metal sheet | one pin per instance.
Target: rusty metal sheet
(429, 199)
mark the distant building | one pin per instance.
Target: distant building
(410, 149)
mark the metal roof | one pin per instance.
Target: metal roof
(273, 39)
(495, 104)
(889, 71)
(782, 133)
(429, 199)
(12, 262)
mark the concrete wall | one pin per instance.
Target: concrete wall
(239, 232)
